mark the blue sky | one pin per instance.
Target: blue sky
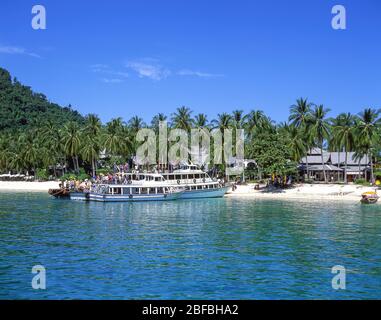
(121, 58)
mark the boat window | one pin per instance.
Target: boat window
(144, 191)
(126, 190)
(184, 177)
(197, 176)
(117, 190)
(135, 190)
(178, 176)
(199, 187)
(160, 190)
(152, 190)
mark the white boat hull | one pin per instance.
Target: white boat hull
(123, 198)
(204, 193)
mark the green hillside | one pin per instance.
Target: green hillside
(21, 108)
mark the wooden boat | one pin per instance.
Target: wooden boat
(369, 197)
(59, 193)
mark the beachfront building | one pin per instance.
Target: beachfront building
(311, 166)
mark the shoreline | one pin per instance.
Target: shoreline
(334, 192)
(28, 186)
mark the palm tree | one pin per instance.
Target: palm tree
(334, 144)
(319, 128)
(238, 119)
(135, 124)
(296, 141)
(5, 152)
(93, 125)
(156, 120)
(201, 120)
(300, 113)
(71, 138)
(50, 138)
(113, 140)
(90, 151)
(223, 121)
(92, 144)
(359, 154)
(343, 132)
(182, 119)
(28, 150)
(367, 131)
(256, 120)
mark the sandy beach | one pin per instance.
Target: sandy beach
(301, 191)
(335, 192)
(25, 186)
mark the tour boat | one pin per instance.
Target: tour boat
(127, 193)
(196, 183)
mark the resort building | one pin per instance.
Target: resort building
(311, 166)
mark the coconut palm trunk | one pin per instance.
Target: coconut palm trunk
(371, 169)
(93, 167)
(322, 163)
(359, 174)
(346, 165)
(308, 168)
(338, 165)
(77, 163)
(74, 163)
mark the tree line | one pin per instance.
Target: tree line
(272, 145)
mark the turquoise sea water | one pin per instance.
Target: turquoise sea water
(188, 249)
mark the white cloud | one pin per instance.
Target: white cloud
(186, 72)
(17, 50)
(105, 70)
(113, 80)
(148, 68)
